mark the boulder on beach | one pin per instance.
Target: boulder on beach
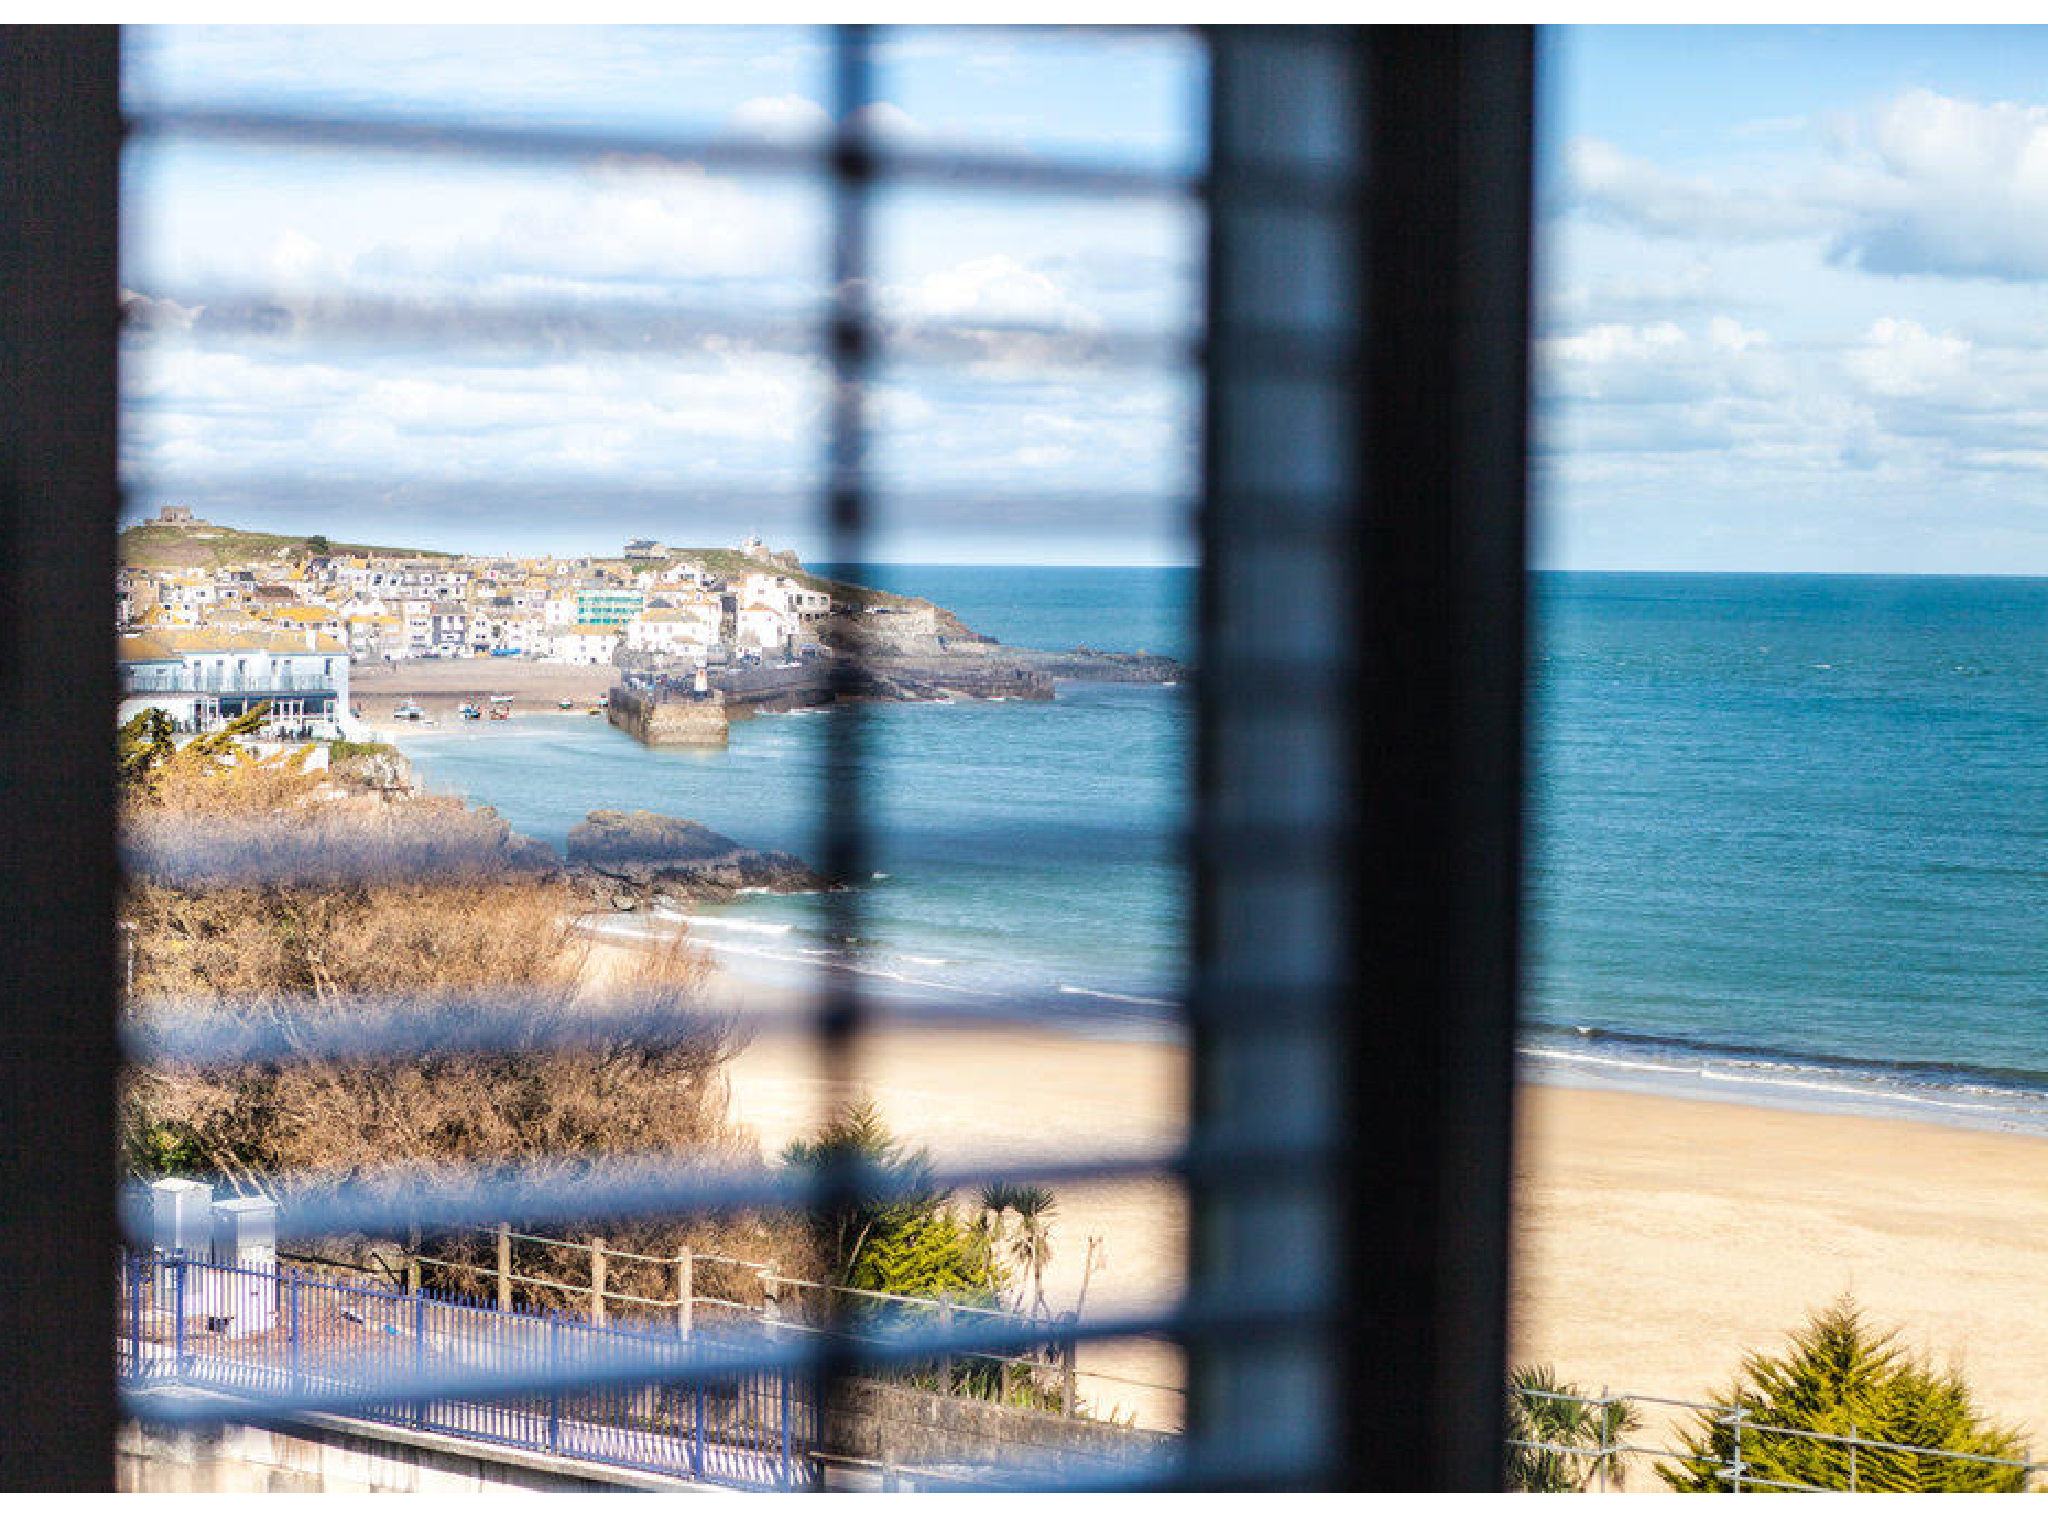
(628, 858)
(641, 837)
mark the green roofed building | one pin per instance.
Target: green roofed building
(608, 605)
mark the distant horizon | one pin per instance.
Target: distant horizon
(390, 539)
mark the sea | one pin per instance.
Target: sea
(1026, 856)
(1788, 835)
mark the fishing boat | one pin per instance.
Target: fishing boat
(501, 706)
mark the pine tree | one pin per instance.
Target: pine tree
(906, 1240)
(1841, 1378)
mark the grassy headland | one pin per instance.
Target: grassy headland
(176, 546)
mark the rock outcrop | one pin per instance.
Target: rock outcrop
(627, 859)
(372, 769)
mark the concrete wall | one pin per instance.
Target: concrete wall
(902, 1427)
(325, 1455)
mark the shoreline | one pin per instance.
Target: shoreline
(1928, 1092)
(1660, 1239)
(1694, 1074)
(1656, 1240)
(755, 942)
(1956, 1098)
(1657, 1237)
(442, 687)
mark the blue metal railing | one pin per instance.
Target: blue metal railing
(285, 1328)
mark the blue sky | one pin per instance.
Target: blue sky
(1793, 298)
(555, 423)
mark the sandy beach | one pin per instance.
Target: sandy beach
(979, 1093)
(440, 688)
(1658, 1238)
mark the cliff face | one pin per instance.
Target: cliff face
(911, 627)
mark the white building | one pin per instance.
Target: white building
(784, 595)
(585, 644)
(203, 678)
(674, 631)
(765, 629)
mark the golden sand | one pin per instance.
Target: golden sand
(1657, 1239)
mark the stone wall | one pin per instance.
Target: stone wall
(669, 722)
(903, 1428)
(912, 630)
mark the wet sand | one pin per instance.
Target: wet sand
(441, 688)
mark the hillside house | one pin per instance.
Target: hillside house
(203, 678)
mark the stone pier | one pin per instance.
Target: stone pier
(670, 720)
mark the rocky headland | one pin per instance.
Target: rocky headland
(618, 860)
(628, 859)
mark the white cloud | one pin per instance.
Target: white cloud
(1922, 184)
(1731, 335)
(1606, 343)
(304, 320)
(995, 289)
(142, 312)
(1956, 187)
(1602, 180)
(886, 121)
(1902, 358)
(788, 116)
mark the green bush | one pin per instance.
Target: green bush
(912, 1242)
(908, 1243)
(1554, 1440)
(1840, 1378)
(342, 751)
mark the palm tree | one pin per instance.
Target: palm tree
(1035, 1206)
(995, 1209)
(1559, 1438)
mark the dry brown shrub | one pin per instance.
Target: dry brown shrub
(296, 956)
(237, 782)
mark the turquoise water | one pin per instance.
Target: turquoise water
(1026, 855)
(1786, 833)
(1793, 829)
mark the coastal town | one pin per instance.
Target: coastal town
(216, 621)
(207, 640)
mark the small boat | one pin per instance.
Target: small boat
(565, 703)
(469, 711)
(501, 706)
(407, 710)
